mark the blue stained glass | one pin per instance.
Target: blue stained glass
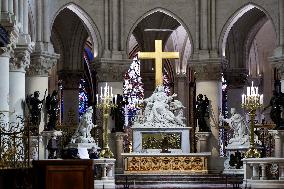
(83, 98)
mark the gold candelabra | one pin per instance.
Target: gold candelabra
(251, 102)
(106, 101)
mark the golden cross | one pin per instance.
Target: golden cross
(158, 55)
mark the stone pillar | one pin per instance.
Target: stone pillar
(112, 72)
(236, 80)
(119, 150)
(25, 17)
(202, 143)
(278, 63)
(37, 76)
(18, 66)
(21, 14)
(4, 85)
(181, 89)
(71, 80)
(279, 142)
(208, 74)
(4, 6)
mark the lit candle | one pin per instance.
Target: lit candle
(248, 91)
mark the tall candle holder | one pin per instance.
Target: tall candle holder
(105, 101)
(251, 102)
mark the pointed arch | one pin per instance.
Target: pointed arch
(165, 11)
(233, 19)
(89, 25)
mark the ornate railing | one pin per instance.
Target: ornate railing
(16, 144)
(263, 172)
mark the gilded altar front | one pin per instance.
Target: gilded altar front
(165, 163)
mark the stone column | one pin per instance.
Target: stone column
(112, 72)
(21, 14)
(181, 89)
(37, 75)
(18, 66)
(4, 85)
(236, 80)
(208, 74)
(119, 150)
(279, 142)
(202, 143)
(71, 80)
(4, 6)
(278, 63)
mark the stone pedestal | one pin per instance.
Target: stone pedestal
(279, 142)
(202, 143)
(83, 149)
(35, 142)
(119, 150)
(107, 180)
(46, 135)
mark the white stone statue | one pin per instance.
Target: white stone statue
(239, 126)
(161, 111)
(83, 132)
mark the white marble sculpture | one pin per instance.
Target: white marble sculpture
(240, 129)
(83, 132)
(161, 111)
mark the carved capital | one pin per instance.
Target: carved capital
(210, 69)
(111, 70)
(41, 62)
(70, 79)
(21, 59)
(236, 77)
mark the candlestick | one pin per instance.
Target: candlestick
(251, 102)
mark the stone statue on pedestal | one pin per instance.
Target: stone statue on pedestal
(202, 112)
(239, 126)
(277, 106)
(51, 109)
(83, 132)
(34, 105)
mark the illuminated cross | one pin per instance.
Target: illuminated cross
(158, 55)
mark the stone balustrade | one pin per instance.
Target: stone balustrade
(263, 172)
(104, 173)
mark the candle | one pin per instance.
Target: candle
(261, 99)
(101, 91)
(115, 99)
(248, 91)
(256, 90)
(111, 91)
(97, 98)
(243, 98)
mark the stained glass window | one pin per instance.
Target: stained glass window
(83, 98)
(133, 91)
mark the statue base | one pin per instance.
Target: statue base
(83, 148)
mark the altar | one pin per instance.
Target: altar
(165, 163)
(151, 140)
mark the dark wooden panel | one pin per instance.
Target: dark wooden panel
(63, 174)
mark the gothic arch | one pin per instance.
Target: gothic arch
(89, 24)
(233, 19)
(165, 11)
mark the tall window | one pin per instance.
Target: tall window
(133, 91)
(83, 98)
